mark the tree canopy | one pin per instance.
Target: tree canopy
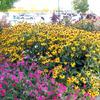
(6, 4)
(80, 5)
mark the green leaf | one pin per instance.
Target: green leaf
(6, 4)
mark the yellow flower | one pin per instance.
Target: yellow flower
(45, 70)
(83, 91)
(87, 55)
(93, 51)
(55, 71)
(43, 44)
(89, 91)
(72, 55)
(54, 76)
(79, 75)
(69, 81)
(57, 60)
(59, 67)
(94, 58)
(54, 52)
(88, 73)
(83, 48)
(59, 50)
(83, 80)
(77, 81)
(44, 62)
(76, 87)
(93, 94)
(73, 79)
(97, 93)
(62, 76)
(73, 48)
(73, 64)
(76, 43)
(65, 63)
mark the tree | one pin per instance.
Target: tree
(80, 5)
(6, 4)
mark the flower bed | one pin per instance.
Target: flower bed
(49, 62)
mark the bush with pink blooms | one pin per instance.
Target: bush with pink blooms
(25, 80)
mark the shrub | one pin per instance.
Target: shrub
(70, 55)
(32, 82)
(85, 25)
(97, 25)
(66, 21)
(3, 24)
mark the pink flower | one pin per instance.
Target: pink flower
(62, 88)
(75, 96)
(68, 97)
(41, 98)
(4, 82)
(45, 88)
(14, 85)
(2, 77)
(39, 72)
(3, 92)
(50, 93)
(0, 85)
(21, 75)
(14, 78)
(55, 98)
(22, 62)
(59, 94)
(18, 63)
(84, 86)
(29, 82)
(31, 75)
(33, 64)
(86, 94)
(92, 98)
(52, 81)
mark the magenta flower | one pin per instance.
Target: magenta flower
(50, 93)
(31, 75)
(59, 94)
(41, 98)
(21, 75)
(62, 88)
(39, 72)
(2, 77)
(84, 86)
(74, 96)
(0, 86)
(3, 92)
(55, 98)
(22, 62)
(52, 81)
(14, 78)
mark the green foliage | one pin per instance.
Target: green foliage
(85, 25)
(6, 4)
(97, 25)
(81, 5)
(66, 21)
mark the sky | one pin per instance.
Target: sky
(94, 5)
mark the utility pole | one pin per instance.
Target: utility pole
(58, 7)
